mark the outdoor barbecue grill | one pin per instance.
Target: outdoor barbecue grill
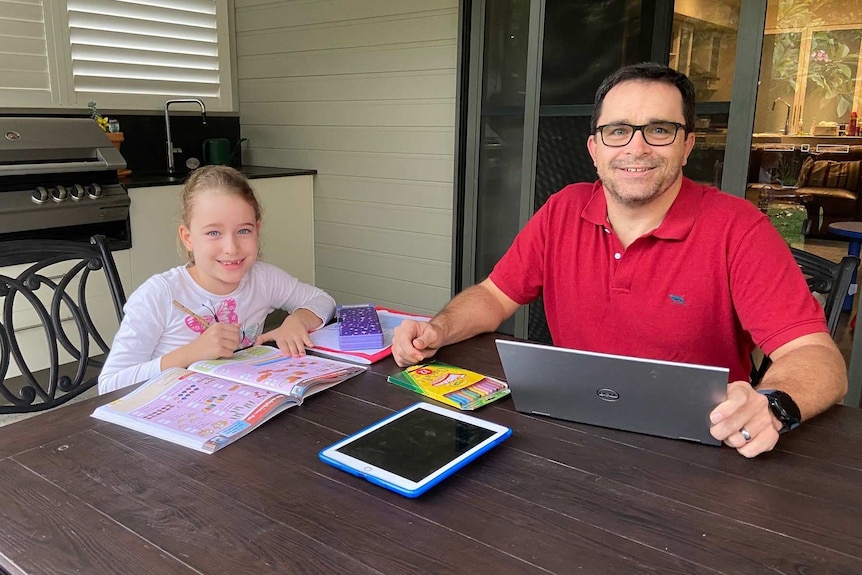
(58, 180)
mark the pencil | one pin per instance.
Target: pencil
(204, 322)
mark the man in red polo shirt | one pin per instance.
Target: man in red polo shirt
(647, 263)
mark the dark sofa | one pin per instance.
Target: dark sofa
(833, 182)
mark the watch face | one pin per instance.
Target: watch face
(784, 409)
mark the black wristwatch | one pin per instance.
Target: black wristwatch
(783, 408)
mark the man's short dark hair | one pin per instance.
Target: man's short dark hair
(648, 72)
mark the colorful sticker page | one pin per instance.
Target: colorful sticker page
(268, 367)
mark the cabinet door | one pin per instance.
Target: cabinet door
(287, 234)
(154, 219)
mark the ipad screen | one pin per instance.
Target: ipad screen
(417, 444)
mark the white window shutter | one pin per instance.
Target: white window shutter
(25, 78)
(127, 52)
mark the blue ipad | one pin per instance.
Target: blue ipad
(416, 448)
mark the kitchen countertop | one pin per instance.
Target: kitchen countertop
(135, 180)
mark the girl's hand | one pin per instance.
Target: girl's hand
(291, 336)
(218, 341)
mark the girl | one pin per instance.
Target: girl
(217, 302)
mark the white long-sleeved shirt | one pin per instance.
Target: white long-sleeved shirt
(153, 326)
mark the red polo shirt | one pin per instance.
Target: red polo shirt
(714, 279)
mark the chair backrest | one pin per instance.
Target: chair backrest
(825, 277)
(828, 278)
(50, 311)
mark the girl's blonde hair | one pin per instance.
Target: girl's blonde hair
(215, 179)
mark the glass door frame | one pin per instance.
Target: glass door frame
(468, 134)
(743, 99)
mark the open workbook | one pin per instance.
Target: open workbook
(215, 402)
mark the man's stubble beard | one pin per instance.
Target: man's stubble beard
(658, 187)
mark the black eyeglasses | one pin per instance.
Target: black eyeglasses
(655, 134)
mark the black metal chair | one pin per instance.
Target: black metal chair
(824, 277)
(50, 298)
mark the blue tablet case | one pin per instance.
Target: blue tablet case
(396, 488)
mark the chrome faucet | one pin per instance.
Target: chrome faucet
(786, 115)
(170, 144)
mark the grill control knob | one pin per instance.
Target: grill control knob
(94, 191)
(78, 192)
(58, 194)
(40, 195)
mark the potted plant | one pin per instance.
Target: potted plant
(112, 130)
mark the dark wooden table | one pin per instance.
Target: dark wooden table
(84, 496)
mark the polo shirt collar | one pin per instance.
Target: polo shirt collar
(676, 224)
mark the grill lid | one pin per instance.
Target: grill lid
(31, 146)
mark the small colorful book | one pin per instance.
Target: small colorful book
(451, 385)
(326, 341)
(358, 327)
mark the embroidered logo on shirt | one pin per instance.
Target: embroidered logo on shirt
(676, 299)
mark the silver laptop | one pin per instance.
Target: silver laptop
(646, 396)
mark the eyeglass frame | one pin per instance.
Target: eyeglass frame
(638, 128)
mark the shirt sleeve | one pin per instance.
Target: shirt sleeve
(519, 273)
(769, 292)
(291, 294)
(131, 360)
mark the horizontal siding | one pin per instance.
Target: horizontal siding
(435, 141)
(374, 190)
(434, 168)
(393, 217)
(393, 29)
(383, 241)
(415, 270)
(424, 113)
(401, 85)
(399, 294)
(363, 91)
(393, 58)
(253, 15)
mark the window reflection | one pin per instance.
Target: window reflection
(703, 46)
(811, 62)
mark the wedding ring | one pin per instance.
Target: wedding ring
(744, 433)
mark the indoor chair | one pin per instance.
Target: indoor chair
(50, 308)
(824, 277)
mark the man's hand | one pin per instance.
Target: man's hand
(745, 411)
(415, 341)
(291, 336)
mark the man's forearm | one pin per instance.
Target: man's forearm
(473, 311)
(814, 375)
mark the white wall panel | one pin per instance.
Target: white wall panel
(393, 192)
(436, 55)
(384, 242)
(363, 91)
(401, 85)
(290, 13)
(416, 113)
(395, 30)
(435, 168)
(389, 139)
